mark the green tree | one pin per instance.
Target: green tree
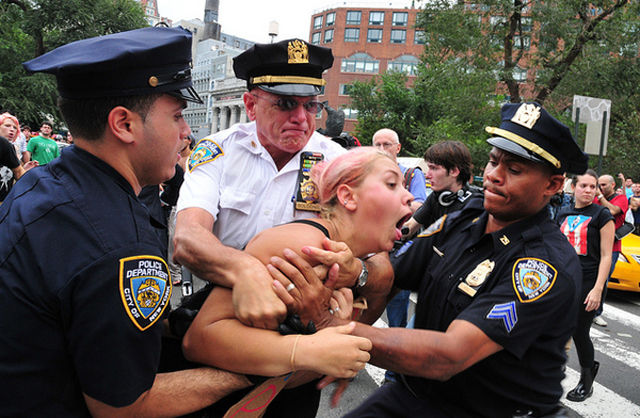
(479, 55)
(30, 28)
(386, 104)
(525, 40)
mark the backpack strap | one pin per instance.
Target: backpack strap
(408, 177)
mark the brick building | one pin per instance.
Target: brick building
(150, 8)
(366, 42)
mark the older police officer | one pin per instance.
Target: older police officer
(498, 289)
(245, 179)
(83, 282)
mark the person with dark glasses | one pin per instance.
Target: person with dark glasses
(253, 176)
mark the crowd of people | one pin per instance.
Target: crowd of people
(303, 244)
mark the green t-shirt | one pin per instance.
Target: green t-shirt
(42, 149)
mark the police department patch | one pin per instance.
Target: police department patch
(532, 278)
(145, 287)
(434, 228)
(206, 150)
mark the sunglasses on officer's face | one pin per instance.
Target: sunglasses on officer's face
(287, 104)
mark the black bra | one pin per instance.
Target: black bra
(312, 223)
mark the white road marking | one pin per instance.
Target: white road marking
(604, 403)
(625, 318)
(616, 349)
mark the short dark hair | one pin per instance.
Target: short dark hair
(87, 118)
(46, 122)
(26, 128)
(451, 154)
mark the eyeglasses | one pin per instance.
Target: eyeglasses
(287, 104)
(384, 145)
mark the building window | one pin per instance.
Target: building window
(344, 89)
(497, 20)
(419, 38)
(376, 18)
(407, 64)
(360, 63)
(398, 36)
(526, 24)
(526, 41)
(328, 36)
(351, 35)
(374, 36)
(315, 38)
(400, 18)
(519, 74)
(353, 17)
(331, 19)
(350, 113)
(317, 22)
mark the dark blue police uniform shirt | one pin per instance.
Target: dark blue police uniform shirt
(82, 287)
(526, 302)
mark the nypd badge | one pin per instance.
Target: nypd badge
(206, 151)
(477, 277)
(527, 115)
(145, 288)
(480, 273)
(532, 278)
(298, 52)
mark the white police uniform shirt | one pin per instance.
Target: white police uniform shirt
(233, 177)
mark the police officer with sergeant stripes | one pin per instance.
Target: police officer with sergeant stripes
(498, 287)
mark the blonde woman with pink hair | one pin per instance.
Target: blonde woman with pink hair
(364, 203)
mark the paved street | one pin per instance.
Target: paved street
(617, 387)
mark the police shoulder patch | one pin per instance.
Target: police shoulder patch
(205, 151)
(434, 228)
(145, 288)
(532, 278)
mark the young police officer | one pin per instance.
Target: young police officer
(497, 285)
(83, 282)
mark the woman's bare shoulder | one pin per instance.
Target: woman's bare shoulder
(294, 236)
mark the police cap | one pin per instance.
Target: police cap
(137, 62)
(291, 68)
(529, 131)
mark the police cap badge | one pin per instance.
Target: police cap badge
(529, 131)
(291, 67)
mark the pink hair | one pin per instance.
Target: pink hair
(7, 115)
(349, 168)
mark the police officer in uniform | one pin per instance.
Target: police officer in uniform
(83, 282)
(497, 289)
(251, 176)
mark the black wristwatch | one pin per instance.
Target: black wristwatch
(364, 275)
